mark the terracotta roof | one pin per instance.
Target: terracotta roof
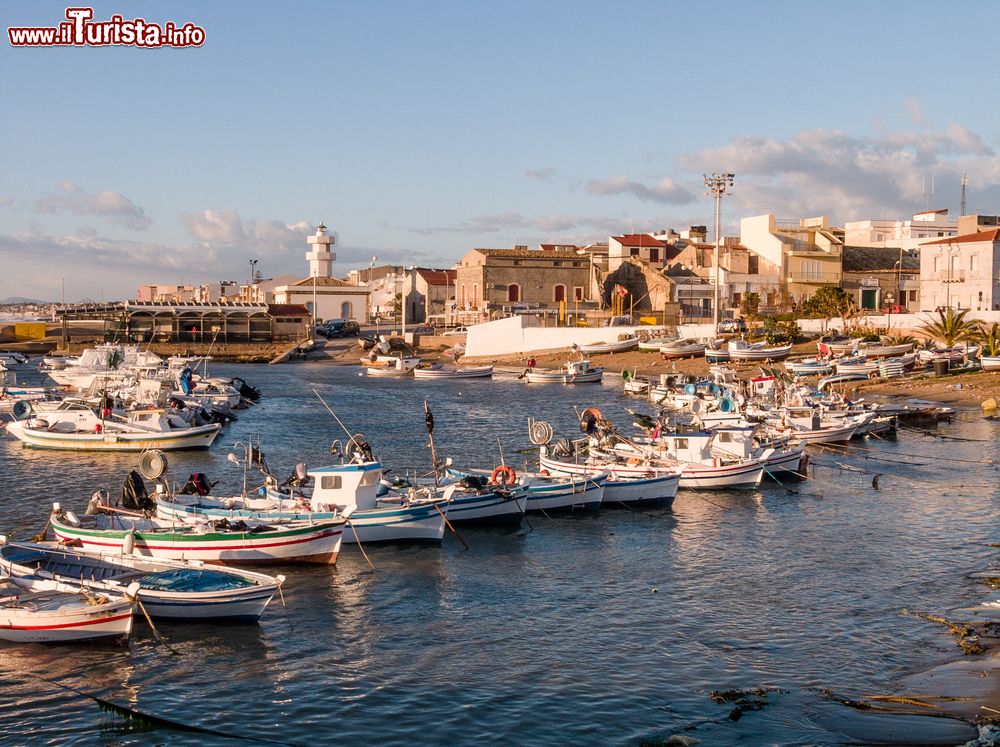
(558, 247)
(529, 253)
(638, 239)
(990, 235)
(932, 212)
(287, 309)
(438, 277)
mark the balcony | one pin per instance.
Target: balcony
(950, 276)
(815, 278)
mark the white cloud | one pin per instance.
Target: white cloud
(666, 191)
(113, 206)
(225, 228)
(850, 177)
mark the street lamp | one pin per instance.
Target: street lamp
(718, 185)
(889, 300)
(253, 267)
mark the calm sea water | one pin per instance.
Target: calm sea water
(604, 629)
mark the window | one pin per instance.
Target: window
(475, 295)
(345, 310)
(578, 264)
(517, 263)
(972, 263)
(559, 293)
(557, 263)
(634, 252)
(654, 254)
(680, 443)
(578, 292)
(513, 293)
(331, 482)
(725, 437)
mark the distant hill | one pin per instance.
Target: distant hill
(19, 300)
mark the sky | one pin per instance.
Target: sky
(418, 131)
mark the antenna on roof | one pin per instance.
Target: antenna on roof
(965, 181)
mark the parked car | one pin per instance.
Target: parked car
(423, 329)
(457, 331)
(339, 328)
(738, 326)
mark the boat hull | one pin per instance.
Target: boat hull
(200, 437)
(482, 372)
(313, 544)
(72, 622)
(654, 490)
(538, 377)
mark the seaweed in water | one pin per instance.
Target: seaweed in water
(744, 700)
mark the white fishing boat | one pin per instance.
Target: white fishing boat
(955, 354)
(212, 541)
(71, 616)
(741, 351)
(618, 471)
(809, 367)
(175, 589)
(617, 346)
(108, 358)
(73, 425)
(652, 344)
(548, 492)
(837, 344)
(453, 372)
(391, 365)
(573, 372)
(990, 362)
(684, 348)
(651, 489)
(350, 488)
(878, 350)
(840, 378)
(635, 385)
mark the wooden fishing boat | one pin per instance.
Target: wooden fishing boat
(741, 351)
(324, 494)
(548, 492)
(619, 346)
(837, 344)
(877, 350)
(840, 378)
(220, 541)
(990, 362)
(453, 372)
(175, 589)
(684, 348)
(809, 367)
(391, 365)
(651, 489)
(573, 372)
(74, 615)
(77, 426)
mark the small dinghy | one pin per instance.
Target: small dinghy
(64, 616)
(619, 346)
(684, 348)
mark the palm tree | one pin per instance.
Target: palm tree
(989, 337)
(950, 327)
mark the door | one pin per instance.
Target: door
(869, 298)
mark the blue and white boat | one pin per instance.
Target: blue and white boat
(652, 489)
(548, 492)
(175, 589)
(477, 499)
(326, 492)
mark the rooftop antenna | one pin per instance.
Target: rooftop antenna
(965, 181)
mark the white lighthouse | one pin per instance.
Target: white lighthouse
(320, 257)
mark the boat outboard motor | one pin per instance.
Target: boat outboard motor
(475, 482)
(299, 479)
(563, 448)
(134, 494)
(246, 391)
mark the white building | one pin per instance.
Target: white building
(900, 234)
(962, 272)
(325, 296)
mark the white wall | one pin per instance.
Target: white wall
(521, 334)
(756, 234)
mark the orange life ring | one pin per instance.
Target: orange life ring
(504, 475)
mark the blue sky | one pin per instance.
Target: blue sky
(420, 130)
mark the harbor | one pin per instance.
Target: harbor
(793, 589)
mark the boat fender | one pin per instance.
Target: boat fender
(98, 428)
(128, 542)
(503, 475)
(689, 389)
(726, 405)
(22, 409)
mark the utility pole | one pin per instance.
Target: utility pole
(718, 185)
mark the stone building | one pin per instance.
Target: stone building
(490, 280)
